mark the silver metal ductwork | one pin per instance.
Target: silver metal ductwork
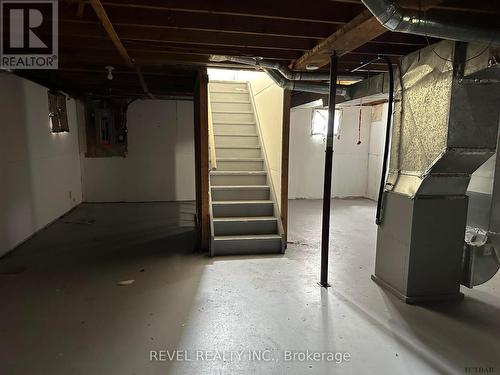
(482, 236)
(403, 20)
(445, 127)
(289, 74)
(287, 78)
(303, 86)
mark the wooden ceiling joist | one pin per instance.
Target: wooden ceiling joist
(108, 26)
(349, 37)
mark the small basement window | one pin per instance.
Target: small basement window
(57, 113)
(319, 123)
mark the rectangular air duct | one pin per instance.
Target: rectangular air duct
(445, 126)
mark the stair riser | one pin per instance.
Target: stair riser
(236, 96)
(238, 152)
(240, 195)
(244, 209)
(230, 228)
(240, 165)
(235, 128)
(218, 180)
(247, 107)
(230, 140)
(219, 86)
(242, 247)
(233, 117)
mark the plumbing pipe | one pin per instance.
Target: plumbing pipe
(380, 199)
(319, 88)
(403, 20)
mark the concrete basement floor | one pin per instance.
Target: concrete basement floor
(62, 311)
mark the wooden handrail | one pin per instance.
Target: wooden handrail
(211, 135)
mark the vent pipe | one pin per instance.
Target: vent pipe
(403, 20)
(319, 88)
(286, 78)
(289, 74)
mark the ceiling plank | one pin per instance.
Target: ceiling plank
(96, 46)
(215, 38)
(209, 22)
(352, 35)
(318, 11)
(106, 23)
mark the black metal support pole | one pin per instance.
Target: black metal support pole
(327, 191)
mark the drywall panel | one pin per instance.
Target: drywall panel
(160, 162)
(350, 159)
(268, 98)
(39, 170)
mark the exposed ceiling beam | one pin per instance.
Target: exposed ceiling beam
(349, 37)
(108, 26)
(80, 9)
(110, 30)
(361, 30)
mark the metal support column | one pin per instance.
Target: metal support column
(327, 191)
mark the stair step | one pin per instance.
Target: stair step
(227, 116)
(242, 151)
(228, 91)
(231, 101)
(246, 244)
(251, 225)
(237, 173)
(224, 134)
(240, 164)
(221, 111)
(234, 122)
(242, 208)
(229, 95)
(235, 128)
(235, 140)
(241, 159)
(239, 106)
(240, 192)
(238, 177)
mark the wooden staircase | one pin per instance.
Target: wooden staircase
(243, 212)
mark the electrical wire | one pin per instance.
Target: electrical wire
(380, 199)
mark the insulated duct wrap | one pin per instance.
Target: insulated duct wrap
(444, 128)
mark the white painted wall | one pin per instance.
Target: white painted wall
(268, 98)
(160, 162)
(39, 171)
(307, 156)
(376, 150)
